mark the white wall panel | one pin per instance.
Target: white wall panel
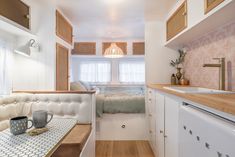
(37, 72)
(157, 57)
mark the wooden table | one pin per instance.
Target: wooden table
(36, 146)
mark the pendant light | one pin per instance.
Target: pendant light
(113, 52)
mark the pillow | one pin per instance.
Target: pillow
(86, 85)
(77, 86)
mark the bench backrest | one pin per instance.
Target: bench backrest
(77, 106)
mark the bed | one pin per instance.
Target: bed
(115, 99)
(120, 100)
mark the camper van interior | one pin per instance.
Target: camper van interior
(117, 78)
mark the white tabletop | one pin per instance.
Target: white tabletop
(35, 146)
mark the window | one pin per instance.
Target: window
(95, 71)
(4, 79)
(131, 71)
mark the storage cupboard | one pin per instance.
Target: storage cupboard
(164, 141)
(211, 4)
(16, 11)
(64, 29)
(200, 17)
(62, 68)
(151, 116)
(177, 22)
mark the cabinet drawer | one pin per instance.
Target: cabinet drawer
(16, 11)
(177, 22)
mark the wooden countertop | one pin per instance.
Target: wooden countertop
(221, 102)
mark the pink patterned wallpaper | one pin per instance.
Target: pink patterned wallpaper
(219, 43)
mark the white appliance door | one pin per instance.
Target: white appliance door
(202, 134)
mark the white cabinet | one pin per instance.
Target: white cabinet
(164, 134)
(160, 109)
(151, 116)
(199, 21)
(171, 127)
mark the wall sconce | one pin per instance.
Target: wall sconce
(26, 49)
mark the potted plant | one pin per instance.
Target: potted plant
(178, 64)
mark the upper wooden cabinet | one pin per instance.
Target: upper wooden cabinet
(202, 17)
(138, 48)
(16, 11)
(62, 68)
(210, 4)
(84, 48)
(177, 22)
(64, 29)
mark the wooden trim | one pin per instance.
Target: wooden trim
(84, 48)
(56, 92)
(59, 17)
(81, 133)
(138, 48)
(122, 45)
(57, 48)
(186, 20)
(214, 4)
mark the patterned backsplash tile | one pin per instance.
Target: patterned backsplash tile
(218, 43)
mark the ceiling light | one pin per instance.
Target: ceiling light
(26, 49)
(113, 52)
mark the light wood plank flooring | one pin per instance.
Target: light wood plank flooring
(123, 149)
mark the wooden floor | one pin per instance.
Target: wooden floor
(123, 149)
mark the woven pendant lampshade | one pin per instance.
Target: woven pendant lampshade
(113, 52)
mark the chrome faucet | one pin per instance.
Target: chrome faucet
(221, 66)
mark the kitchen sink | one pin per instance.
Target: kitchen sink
(196, 90)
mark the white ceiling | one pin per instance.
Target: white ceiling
(112, 19)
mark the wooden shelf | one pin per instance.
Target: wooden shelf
(210, 23)
(14, 28)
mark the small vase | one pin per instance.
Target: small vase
(178, 75)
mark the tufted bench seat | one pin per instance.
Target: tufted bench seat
(73, 105)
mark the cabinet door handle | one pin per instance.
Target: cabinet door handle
(150, 99)
(26, 16)
(165, 136)
(161, 132)
(184, 14)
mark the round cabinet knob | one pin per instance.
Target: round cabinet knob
(123, 126)
(184, 14)
(161, 132)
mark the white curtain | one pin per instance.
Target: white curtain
(95, 71)
(5, 64)
(131, 71)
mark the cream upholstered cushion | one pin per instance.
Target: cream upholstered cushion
(77, 86)
(77, 106)
(13, 106)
